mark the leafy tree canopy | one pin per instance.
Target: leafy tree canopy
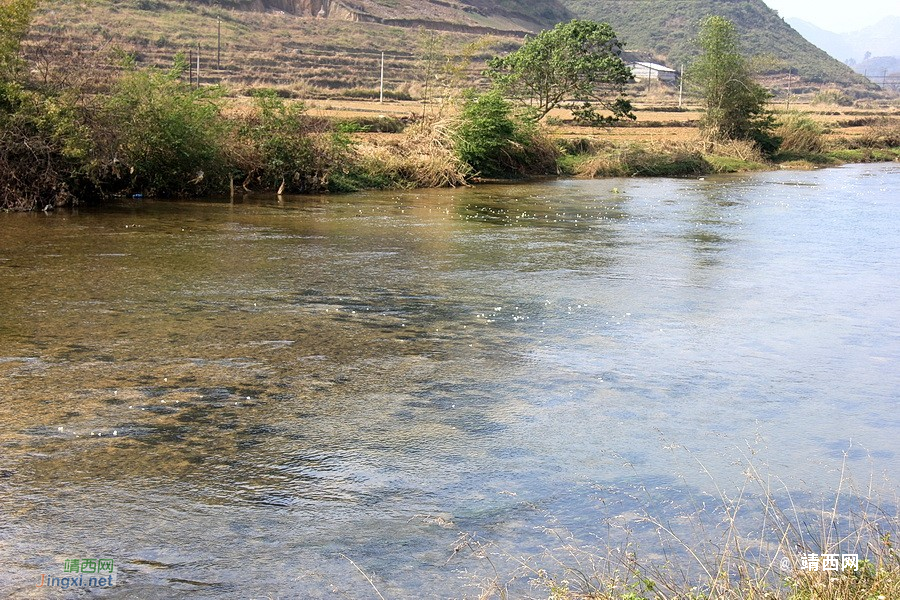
(15, 19)
(578, 60)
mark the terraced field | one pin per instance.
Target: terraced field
(301, 56)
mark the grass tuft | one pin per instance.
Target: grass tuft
(651, 160)
(757, 544)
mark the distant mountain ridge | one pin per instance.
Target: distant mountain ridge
(879, 40)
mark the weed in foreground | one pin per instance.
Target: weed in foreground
(757, 544)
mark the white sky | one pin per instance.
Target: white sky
(839, 16)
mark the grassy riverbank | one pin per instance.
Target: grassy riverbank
(81, 122)
(805, 143)
(154, 135)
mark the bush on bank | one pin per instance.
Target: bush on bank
(496, 142)
(278, 147)
(153, 134)
(159, 136)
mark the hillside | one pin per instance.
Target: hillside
(315, 47)
(299, 56)
(485, 16)
(664, 28)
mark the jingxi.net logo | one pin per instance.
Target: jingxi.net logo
(82, 573)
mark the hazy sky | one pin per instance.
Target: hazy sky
(837, 15)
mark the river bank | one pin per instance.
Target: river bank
(154, 135)
(88, 125)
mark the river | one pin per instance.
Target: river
(266, 398)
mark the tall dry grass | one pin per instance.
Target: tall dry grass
(883, 132)
(665, 158)
(422, 156)
(800, 134)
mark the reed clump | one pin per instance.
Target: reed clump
(800, 134)
(423, 156)
(670, 159)
(882, 133)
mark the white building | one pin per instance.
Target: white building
(643, 71)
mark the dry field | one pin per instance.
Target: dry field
(651, 125)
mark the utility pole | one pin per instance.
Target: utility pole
(198, 65)
(790, 88)
(681, 85)
(428, 58)
(381, 84)
(190, 67)
(218, 43)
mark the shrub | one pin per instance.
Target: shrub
(43, 145)
(281, 148)
(495, 143)
(835, 97)
(372, 94)
(800, 134)
(15, 20)
(164, 137)
(379, 124)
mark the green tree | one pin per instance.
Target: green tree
(578, 60)
(15, 20)
(734, 104)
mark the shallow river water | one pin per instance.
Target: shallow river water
(254, 398)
